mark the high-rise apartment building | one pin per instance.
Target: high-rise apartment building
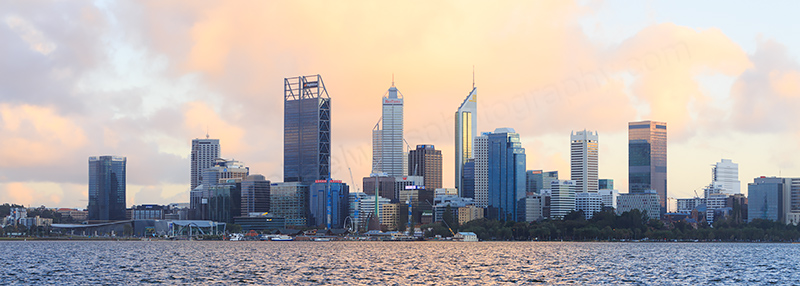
(725, 174)
(204, 154)
(647, 159)
(506, 174)
(306, 130)
(426, 161)
(583, 160)
(387, 136)
(466, 130)
(107, 187)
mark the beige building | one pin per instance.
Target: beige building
(469, 213)
(390, 216)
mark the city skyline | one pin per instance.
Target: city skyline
(132, 79)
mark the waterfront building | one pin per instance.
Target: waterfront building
(107, 188)
(149, 212)
(290, 201)
(609, 197)
(328, 203)
(203, 156)
(605, 184)
(387, 136)
(390, 215)
(647, 159)
(466, 129)
(306, 130)
(402, 183)
(725, 174)
(506, 173)
(255, 194)
(480, 171)
(589, 203)
(647, 201)
(362, 208)
(562, 198)
(426, 161)
(260, 222)
(583, 160)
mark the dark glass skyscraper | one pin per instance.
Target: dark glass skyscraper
(647, 158)
(328, 204)
(306, 130)
(426, 161)
(107, 188)
(506, 174)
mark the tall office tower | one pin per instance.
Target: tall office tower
(647, 159)
(387, 136)
(468, 184)
(306, 130)
(726, 175)
(775, 199)
(107, 188)
(255, 194)
(290, 200)
(466, 131)
(605, 184)
(204, 152)
(506, 174)
(481, 170)
(583, 161)
(426, 161)
(328, 204)
(562, 198)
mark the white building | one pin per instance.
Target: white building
(588, 202)
(645, 202)
(481, 157)
(532, 208)
(726, 174)
(609, 197)
(466, 130)
(685, 206)
(583, 160)
(562, 198)
(387, 137)
(362, 207)
(203, 156)
(713, 202)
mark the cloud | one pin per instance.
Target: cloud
(36, 136)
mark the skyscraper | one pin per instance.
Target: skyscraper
(255, 194)
(328, 203)
(387, 136)
(647, 158)
(506, 174)
(466, 131)
(306, 130)
(583, 161)
(480, 167)
(107, 187)
(426, 161)
(204, 152)
(725, 174)
(562, 198)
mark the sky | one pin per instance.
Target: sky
(141, 79)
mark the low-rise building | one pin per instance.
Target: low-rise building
(469, 213)
(647, 201)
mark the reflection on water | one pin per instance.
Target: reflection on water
(402, 263)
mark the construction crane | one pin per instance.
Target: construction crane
(353, 180)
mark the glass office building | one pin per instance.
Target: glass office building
(506, 174)
(388, 155)
(306, 130)
(647, 158)
(466, 123)
(328, 204)
(107, 188)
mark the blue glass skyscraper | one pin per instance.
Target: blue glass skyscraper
(306, 130)
(328, 203)
(107, 188)
(506, 174)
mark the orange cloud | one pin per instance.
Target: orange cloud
(201, 116)
(36, 135)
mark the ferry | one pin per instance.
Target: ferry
(281, 238)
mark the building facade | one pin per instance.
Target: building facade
(647, 159)
(255, 195)
(107, 187)
(426, 161)
(589, 203)
(584, 160)
(647, 201)
(725, 173)
(506, 173)
(387, 144)
(562, 198)
(328, 204)
(605, 184)
(536, 180)
(480, 175)
(203, 156)
(466, 129)
(290, 201)
(306, 130)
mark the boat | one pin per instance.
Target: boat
(281, 238)
(322, 239)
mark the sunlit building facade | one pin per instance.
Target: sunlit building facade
(647, 159)
(583, 160)
(387, 144)
(306, 130)
(466, 129)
